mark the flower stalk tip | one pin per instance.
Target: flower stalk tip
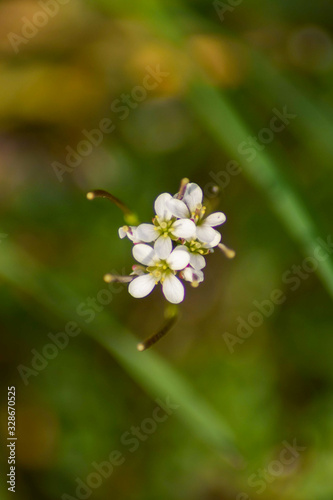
(131, 219)
(171, 311)
(182, 187)
(228, 252)
(108, 278)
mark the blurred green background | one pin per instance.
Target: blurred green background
(67, 67)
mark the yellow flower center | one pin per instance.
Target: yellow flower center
(160, 271)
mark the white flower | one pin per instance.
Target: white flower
(194, 276)
(191, 207)
(198, 250)
(162, 264)
(165, 227)
(130, 232)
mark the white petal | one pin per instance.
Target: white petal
(193, 196)
(205, 233)
(178, 208)
(215, 241)
(183, 228)
(147, 232)
(197, 261)
(215, 219)
(173, 289)
(132, 234)
(179, 258)
(191, 274)
(143, 254)
(141, 286)
(122, 233)
(161, 208)
(163, 247)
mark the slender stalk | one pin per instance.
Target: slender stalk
(150, 341)
(129, 216)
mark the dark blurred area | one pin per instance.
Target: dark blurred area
(100, 95)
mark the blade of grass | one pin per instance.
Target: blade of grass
(229, 130)
(315, 127)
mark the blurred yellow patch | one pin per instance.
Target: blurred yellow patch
(169, 59)
(37, 437)
(52, 94)
(223, 60)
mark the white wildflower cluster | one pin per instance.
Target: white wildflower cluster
(174, 246)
